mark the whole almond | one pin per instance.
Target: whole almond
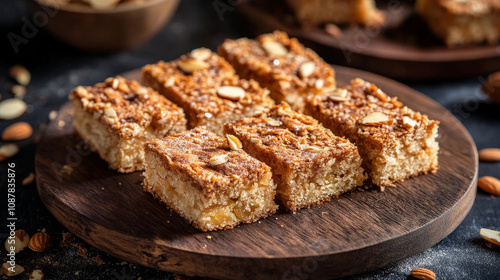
(423, 274)
(20, 74)
(17, 131)
(8, 270)
(12, 108)
(492, 87)
(191, 65)
(7, 151)
(40, 242)
(18, 242)
(375, 118)
(489, 154)
(489, 184)
(37, 274)
(19, 91)
(490, 235)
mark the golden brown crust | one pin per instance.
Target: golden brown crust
(280, 73)
(190, 152)
(127, 108)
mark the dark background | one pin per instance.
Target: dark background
(57, 68)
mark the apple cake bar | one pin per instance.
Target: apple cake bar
(208, 90)
(118, 116)
(316, 12)
(462, 22)
(283, 65)
(394, 141)
(309, 164)
(208, 179)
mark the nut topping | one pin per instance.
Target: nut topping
(190, 65)
(234, 142)
(375, 118)
(217, 160)
(274, 48)
(230, 92)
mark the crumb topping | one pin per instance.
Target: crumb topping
(207, 159)
(127, 107)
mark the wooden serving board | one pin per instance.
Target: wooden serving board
(404, 48)
(357, 232)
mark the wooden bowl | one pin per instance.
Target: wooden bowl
(124, 27)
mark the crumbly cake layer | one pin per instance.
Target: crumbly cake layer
(196, 174)
(309, 164)
(462, 22)
(394, 141)
(316, 12)
(283, 65)
(118, 116)
(199, 92)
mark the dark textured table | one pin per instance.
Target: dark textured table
(56, 69)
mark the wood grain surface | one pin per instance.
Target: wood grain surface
(404, 48)
(357, 232)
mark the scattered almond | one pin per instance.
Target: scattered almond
(489, 154)
(103, 4)
(201, 54)
(18, 91)
(313, 149)
(8, 270)
(190, 65)
(338, 94)
(375, 118)
(423, 274)
(306, 69)
(110, 112)
(20, 74)
(230, 92)
(492, 87)
(7, 151)
(490, 235)
(37, 274)
(333, 30)
(12, 108)
(409, 122)
(28, 180)
(489, 184)
(17, 131)
(40, 242)
(273, 122)
(274, 48)
(234, 142)
(217, 160)
(52, 115)
(19, 242)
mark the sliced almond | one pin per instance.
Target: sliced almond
(110, 112)
(18, 242)
(103, 4)
(273, 122)
(423, 274)
(12, 108)
(20, 74)
(314, 149)
(7, 151)
(274, 48)
(409, 122)
(319, 84)
(375, 118)
(490, 235)
(28, 180)
(306, 69)
(234, 142)
(190, 65)
(17, 131)
(489, 154)
(9, 270)
(489, 184)
(201, 54)
(37, 274)
(19, 91)
(218, 159)
(338, 94)
(230, 92)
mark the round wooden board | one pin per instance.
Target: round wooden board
(404, 48)
(357, 232)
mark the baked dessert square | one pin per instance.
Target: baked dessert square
(394, 141)
(208, 90)
(211, 183)
(462, 22)
(309, 164)
(316, 12)
(118, 116)
(283, 65)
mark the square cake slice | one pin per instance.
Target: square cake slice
(309, 164)
(209, 182)
(208, 90)
(315, 12)
(462, 22)
(283, 65)
(118, 116)
(394, 141)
